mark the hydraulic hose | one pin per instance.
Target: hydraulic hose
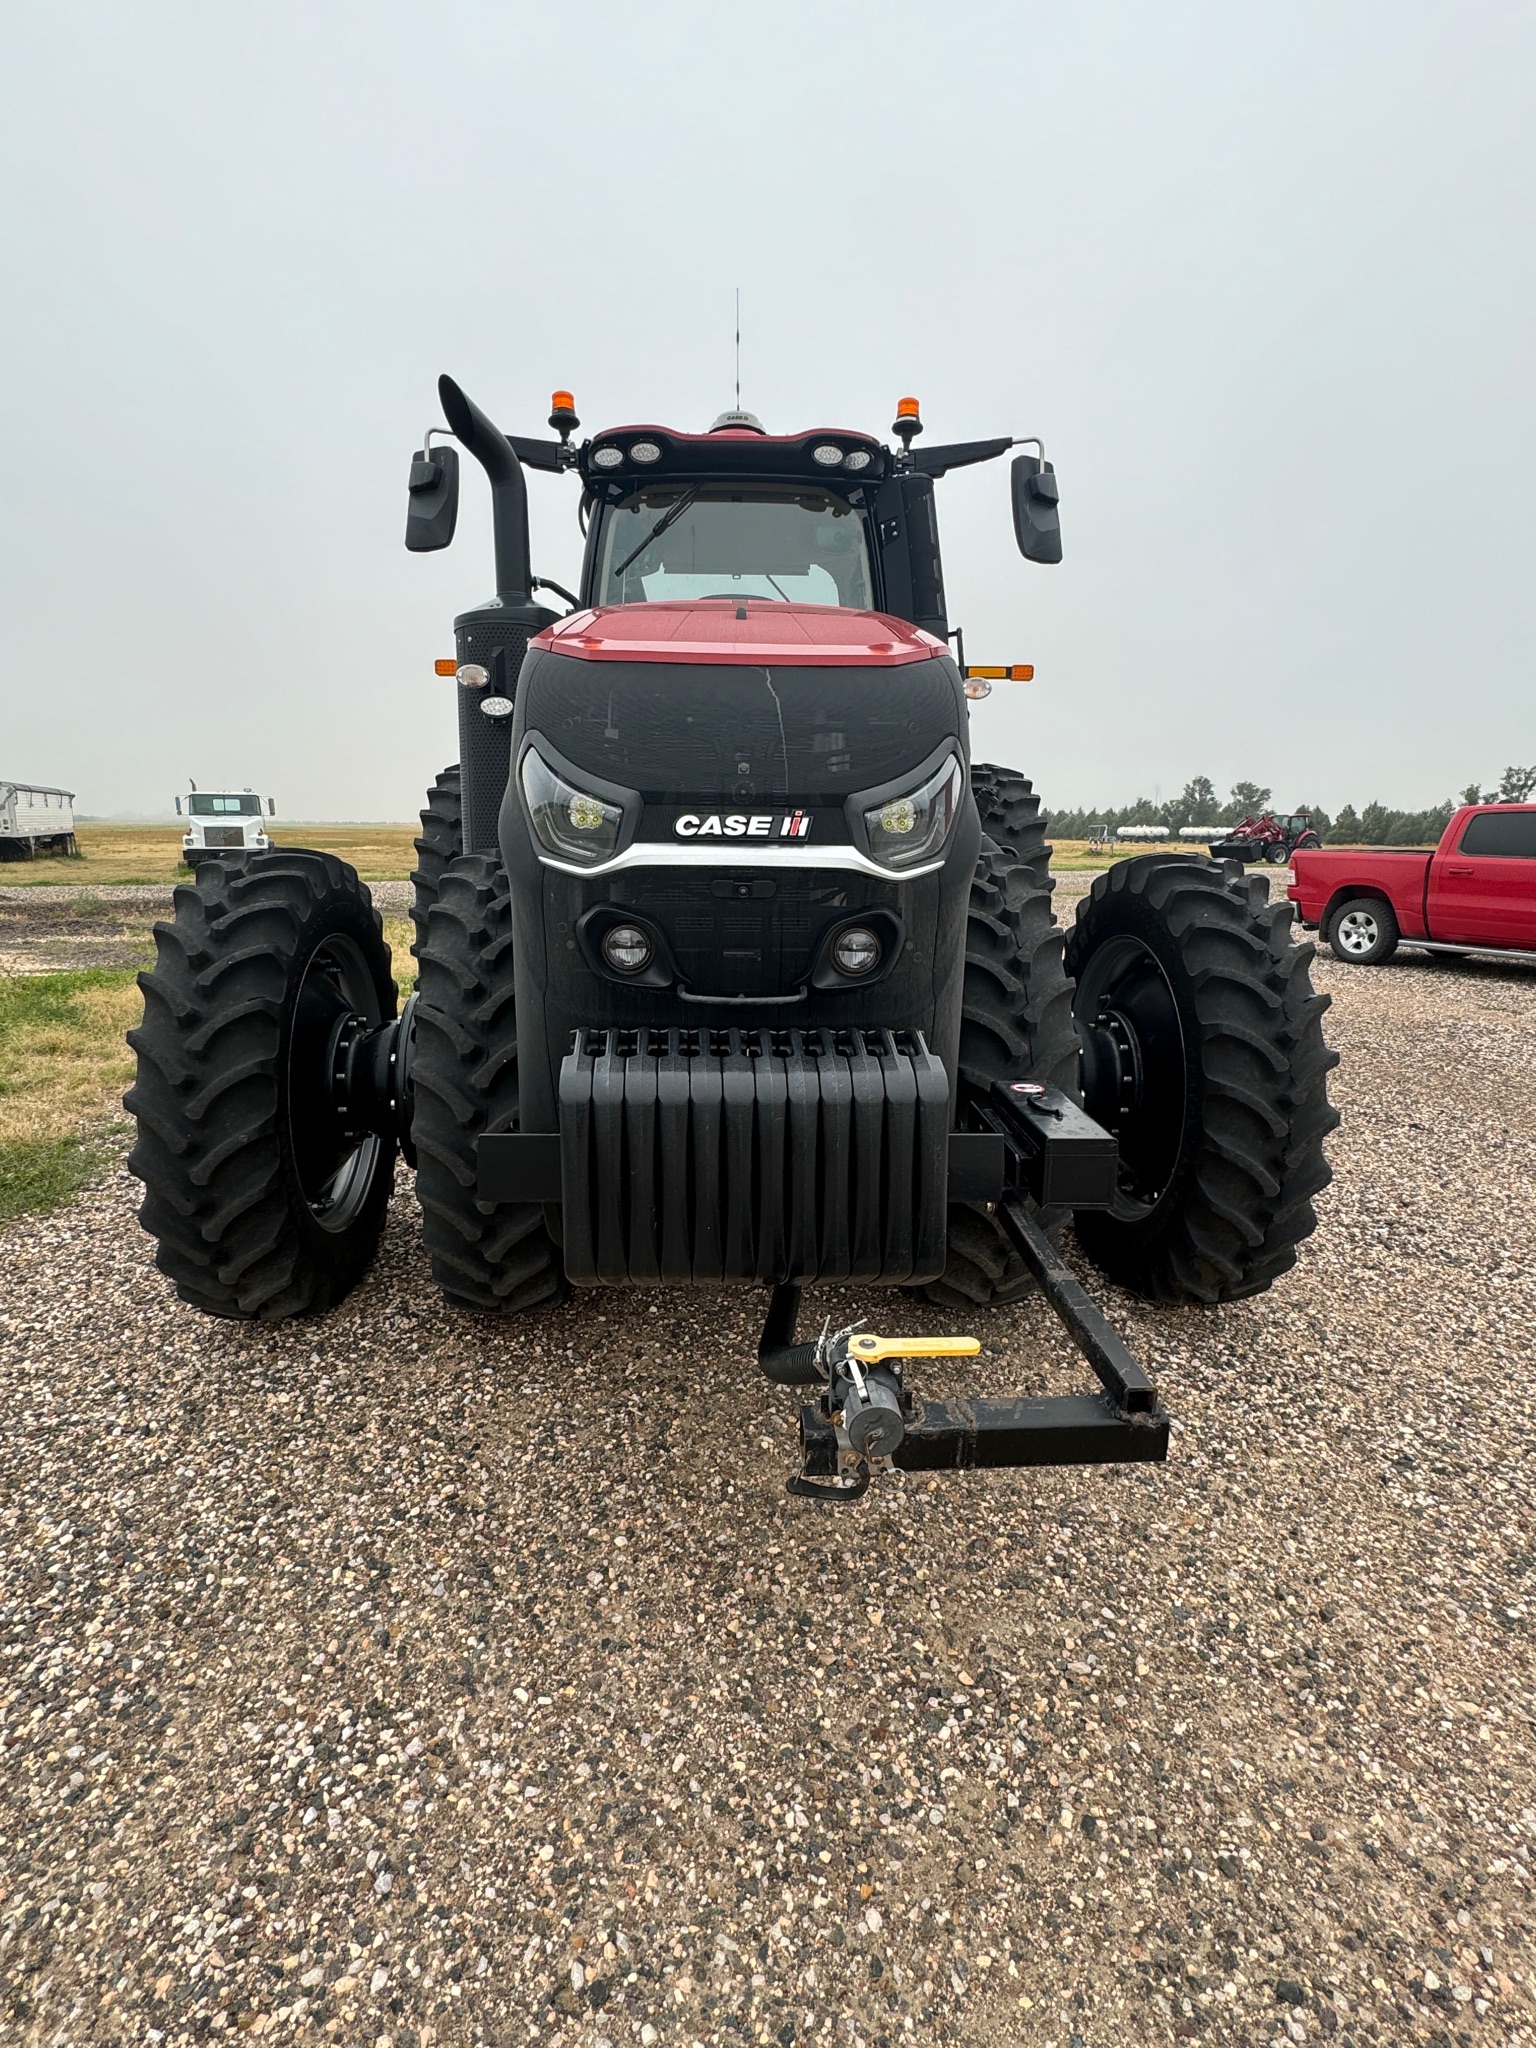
(785, 1362)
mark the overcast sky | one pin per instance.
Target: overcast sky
(1261, 275)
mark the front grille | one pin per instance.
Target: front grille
(223, 835)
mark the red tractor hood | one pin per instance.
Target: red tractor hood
(752, 632)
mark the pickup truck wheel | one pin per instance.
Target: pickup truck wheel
(1203, 1051)
(1363, 931)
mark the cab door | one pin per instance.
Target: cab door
(1483, 892)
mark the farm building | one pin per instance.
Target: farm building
(34, 820)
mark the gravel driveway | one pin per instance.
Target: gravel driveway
(46, 928)
(400, 1678)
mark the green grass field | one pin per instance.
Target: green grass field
(64, 1063)
(63, 1068)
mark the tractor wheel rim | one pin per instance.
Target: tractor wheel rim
(1134, 1067)
(1357, 932)
(335, 1165)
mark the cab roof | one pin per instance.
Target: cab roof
(756, 632)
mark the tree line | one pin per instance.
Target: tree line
(1375, 825)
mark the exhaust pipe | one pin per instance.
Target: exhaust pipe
(490, 447)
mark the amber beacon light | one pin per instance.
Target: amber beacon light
(562, 414)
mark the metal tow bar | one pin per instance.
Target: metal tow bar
(868, 1419)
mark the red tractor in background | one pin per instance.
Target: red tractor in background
(1272, 837)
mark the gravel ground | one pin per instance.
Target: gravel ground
(48, 928)
(400, 1679)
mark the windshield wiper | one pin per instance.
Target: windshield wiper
(672, 513)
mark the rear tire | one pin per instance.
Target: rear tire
(261, 1205)
(441, 841)
(1016, 1025)
(497, 1258)
(1204, 1053)
(1363, 932)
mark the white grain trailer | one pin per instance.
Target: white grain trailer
(35, 820)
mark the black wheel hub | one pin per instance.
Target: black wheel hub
(1133, 1066)
(348, 1082)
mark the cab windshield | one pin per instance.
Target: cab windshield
(794, 545)
(224, 806)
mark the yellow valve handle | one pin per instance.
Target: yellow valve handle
(871, 1349)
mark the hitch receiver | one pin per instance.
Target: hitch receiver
(867, 1417)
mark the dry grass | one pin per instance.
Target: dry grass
(1076, 855)
(397, 936)
(380, 853)
(152, 853)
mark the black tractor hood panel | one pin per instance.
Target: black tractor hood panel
(738, 733)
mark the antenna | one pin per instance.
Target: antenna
(738, 348)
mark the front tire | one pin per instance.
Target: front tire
(493, 1257)
(1363, 932)
(262, 1204)
(1016, 1025)
(1011, 816)
(1203, 1052)
(441, 841)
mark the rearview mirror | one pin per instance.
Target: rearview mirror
(1036, 518)
(432, 510)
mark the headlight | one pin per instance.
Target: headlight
(644, 451)
(570, 821)
(827, 455)
(906, 830)
(607, 458)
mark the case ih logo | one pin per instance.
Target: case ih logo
(743, 825)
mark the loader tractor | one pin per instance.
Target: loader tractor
(735, 970)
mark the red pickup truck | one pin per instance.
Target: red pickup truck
(1476, 893)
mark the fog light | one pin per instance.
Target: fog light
(627, 948)
(855, 950)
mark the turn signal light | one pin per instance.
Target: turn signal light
(446, 668)
(1020, 672)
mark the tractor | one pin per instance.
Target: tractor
(734, 969)
(1271, 837)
